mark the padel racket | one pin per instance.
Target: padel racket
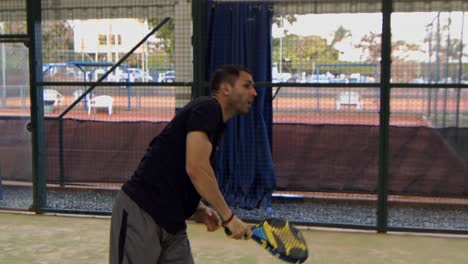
(280, 238)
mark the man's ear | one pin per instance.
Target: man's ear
(225, 88)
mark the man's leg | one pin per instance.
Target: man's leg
(115, 229)
(135, 237)
(176, 248)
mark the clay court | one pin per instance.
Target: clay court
(287, 108)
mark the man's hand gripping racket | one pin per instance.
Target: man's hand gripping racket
(280, 238)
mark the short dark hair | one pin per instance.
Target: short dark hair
(227, 73)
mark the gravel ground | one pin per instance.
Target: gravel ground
(315, 212)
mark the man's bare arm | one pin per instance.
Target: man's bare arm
(201, 173)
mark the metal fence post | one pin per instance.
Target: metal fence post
(33, 9)
(198, 41)
(382, 210)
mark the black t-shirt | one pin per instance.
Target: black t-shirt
(160, 185)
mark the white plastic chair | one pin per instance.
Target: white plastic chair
(101, 101)
(52, 97)
(349, 98)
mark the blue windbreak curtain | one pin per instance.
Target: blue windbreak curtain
(240, 33)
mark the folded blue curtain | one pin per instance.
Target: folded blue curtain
(240, 33)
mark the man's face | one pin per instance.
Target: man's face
(243, 93)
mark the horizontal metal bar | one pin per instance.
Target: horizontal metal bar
(16, 210)
(430, 85)
(427, 230)
(331, 85)
(14, 117)
(14, 38)
(74, 211)
(25, 36)
(113, 84)
(266, 84)
(362, 85)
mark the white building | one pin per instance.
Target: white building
(108, 36)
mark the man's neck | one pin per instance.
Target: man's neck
(224, 108)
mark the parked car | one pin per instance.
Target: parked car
(167, 77)
(359, 78)
(338, 80)
(139, 76)
(419, 80)
(281, 77)
(322, 78)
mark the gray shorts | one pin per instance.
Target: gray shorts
(136, 238)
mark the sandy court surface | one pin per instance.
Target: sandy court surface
(53, 239)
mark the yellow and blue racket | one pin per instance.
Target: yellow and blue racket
(280, 238)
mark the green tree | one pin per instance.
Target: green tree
(453, 51)
(444, 55)
(278, 20)
(339, 35)
(57, 41)
(403, 68)
(304, 52)
(165, 43)
(370, 45)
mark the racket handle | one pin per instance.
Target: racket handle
(229, 233)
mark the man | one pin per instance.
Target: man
(149, 213)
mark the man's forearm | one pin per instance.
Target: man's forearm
(205, 183)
